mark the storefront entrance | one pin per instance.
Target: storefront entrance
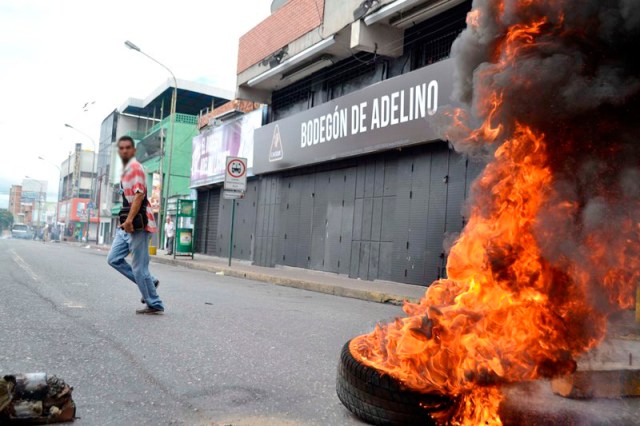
(207, 214)
(384, 216)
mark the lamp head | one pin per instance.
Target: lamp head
(131, 46)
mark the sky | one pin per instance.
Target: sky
(57, 55)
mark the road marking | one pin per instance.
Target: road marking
(24, 265)
(27, 268)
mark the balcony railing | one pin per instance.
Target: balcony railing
(180, 118)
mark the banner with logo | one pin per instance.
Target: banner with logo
(80, 210)
(396, 112)
(212, 147)
(156, 187)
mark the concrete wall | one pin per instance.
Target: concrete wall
(338, 14)
(291, 21)
(297, 32)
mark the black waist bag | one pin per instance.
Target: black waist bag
(140, 220)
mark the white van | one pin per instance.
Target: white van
(20, 230)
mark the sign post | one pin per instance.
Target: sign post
(235, 185)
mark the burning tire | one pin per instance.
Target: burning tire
(379, 399)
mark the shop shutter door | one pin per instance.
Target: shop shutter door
(201, 221)
(346, 232)
(290, 210)
(212, 220)
(303, 254)
(437, 211)
(319, 221)
(421, 205)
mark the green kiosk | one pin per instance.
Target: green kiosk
(185, 228)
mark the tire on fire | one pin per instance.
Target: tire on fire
(379, 399)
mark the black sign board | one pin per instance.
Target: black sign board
(393, 113)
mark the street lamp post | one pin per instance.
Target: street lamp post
(94, 172)
(53, 164)
(174, 98)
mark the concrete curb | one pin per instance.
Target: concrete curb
(370, 296)
(318, 287)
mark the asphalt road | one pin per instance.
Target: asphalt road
(227, 350)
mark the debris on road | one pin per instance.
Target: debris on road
(35, 398)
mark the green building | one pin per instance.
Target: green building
(167, 162)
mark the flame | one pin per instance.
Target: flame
(505, 313)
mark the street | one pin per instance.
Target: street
(227, 350)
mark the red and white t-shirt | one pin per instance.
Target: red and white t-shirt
(134, 181)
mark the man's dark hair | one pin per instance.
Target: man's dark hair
(127, 139)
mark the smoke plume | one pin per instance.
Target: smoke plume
(552, 245)
(579, 85)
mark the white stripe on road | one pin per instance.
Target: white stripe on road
(24, 265)
(27, 268)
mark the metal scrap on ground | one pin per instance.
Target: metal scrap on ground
(35, 398)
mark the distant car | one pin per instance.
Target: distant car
(20, 230)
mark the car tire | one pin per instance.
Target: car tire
(379, 399)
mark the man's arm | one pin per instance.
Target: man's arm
(135, 208)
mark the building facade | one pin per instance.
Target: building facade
(351, 176)
(28, 202)
(227, 131)
(77, 180)
(15, 198)
(114, 126)
(165, 153)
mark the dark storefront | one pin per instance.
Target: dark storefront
(213, 222)
(351, 175)
(383, 216)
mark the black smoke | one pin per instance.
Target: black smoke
(578, 84)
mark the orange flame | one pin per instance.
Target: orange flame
(504, 314)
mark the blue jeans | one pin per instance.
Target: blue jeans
(138, 272)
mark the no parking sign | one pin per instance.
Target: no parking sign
(235, 178)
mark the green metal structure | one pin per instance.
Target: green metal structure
(149, 153)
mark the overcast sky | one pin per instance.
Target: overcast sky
(56, 55)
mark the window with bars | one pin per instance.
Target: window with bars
(431, 41)
(291, 95)
(350, 74)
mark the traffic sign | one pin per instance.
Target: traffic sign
(232, 195)
(235, 178)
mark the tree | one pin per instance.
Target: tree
(6, 219)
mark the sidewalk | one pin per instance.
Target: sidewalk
(320, 282)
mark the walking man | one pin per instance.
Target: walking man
(170, 232)
(137, 225)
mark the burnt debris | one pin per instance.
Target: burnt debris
(35, 398)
